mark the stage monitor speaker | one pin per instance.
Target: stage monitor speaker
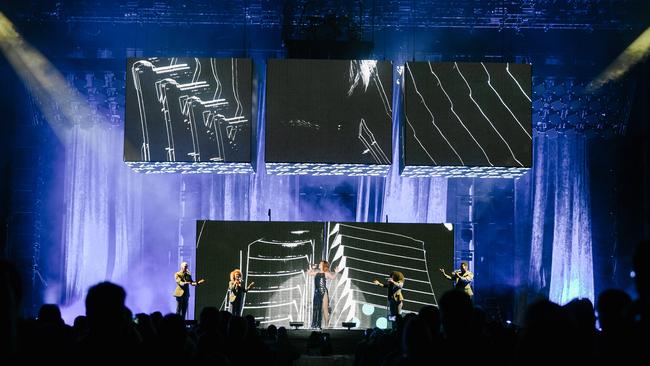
(296, 325)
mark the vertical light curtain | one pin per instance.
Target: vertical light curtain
(561, 219)
(102, 209)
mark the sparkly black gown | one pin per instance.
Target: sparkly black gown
(320, 291)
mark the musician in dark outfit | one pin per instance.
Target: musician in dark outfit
(236, 292)
(320, 307)
(182, 292)
(393, 285)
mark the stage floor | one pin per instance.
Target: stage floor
(344, 341)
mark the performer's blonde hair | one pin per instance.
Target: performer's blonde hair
(234, 273)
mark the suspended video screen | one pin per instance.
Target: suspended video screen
(281, 260)
(468, 114)
(182, 109)
(329, 111)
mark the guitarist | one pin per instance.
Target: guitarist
(236, 292)
(182, 292)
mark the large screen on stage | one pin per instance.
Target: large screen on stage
(183, 109)
(467, 114)
(273, 255)
(277, 257)
(329, 111)
(368, 251)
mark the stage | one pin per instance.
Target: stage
(343, 341)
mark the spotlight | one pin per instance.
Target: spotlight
(349, 325)
(636, 52)
(296, 325)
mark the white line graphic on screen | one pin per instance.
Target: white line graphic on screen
(282, 287)
(513, 78)
(162, 88)
(220, 128)
(392, 255)
(368, 139)
(486, 117)
(489, 81)
(383, 96)
(235, 87)
(383, 274)
(198, 238)
(383, 296)
(451, 106)
(415, 136)
(365, 254)
(382, 93)
(137, 69)
(212, 130)
(364, 71)
(210, 118)
(360, 70)
(433, 120)
(218, 87)
(275, 320)
(197, 70)
(144, 148)
(233, 127)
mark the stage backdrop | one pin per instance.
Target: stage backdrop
(277, 255)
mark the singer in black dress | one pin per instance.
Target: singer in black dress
(236, 292)
(320, 307)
